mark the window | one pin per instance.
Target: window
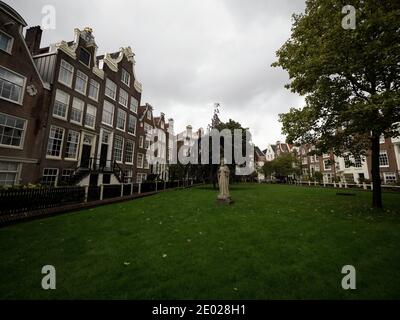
(382, 139)
(141, 177)
(108, 113)
(66, 73)
(327, 165)
(123, 98)
(118, 148)
(141, 139)
(383, 159)
(146, 163)
(134, 105)
(326, 155)
(111, 89)
(128, 176)
(140, 160)
(347, 161)
(66, 174)
(149, 114)
(6, 42)
(90, 119)
(94, 89)
(81, 82)
(8, 173)
(61, 103)
(121, 120)
(358, 162)
(390, 178)
(84, 57)
(55, 142)
(129, 150)
(77, 111)
(50, 176)
(132, 124)
(11, 86)
(126, 77)
(147, 143)
(72, 145)
(147, 128)
(12, 131)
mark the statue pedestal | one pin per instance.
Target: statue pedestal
(225, 200)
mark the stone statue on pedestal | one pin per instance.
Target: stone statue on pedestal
(223, 182)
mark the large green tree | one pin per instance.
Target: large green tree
(350, 78)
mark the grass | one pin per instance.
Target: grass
(275, 242)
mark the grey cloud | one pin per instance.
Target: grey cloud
(192, 53)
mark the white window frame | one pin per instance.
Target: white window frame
(125, 95)
(84, 77)
(51, 157)
(384, 152)
(134, 105)
(21, 146)
(119, 112)
(82, 111)
(89, 106)
(77, 146)
(133, 151)
(22, 94)
(10, 43)
(17, 172)
(389, 174)
(66, 110)
(56, 176)
(112, 114)
(114, 85)
(131, 116)
(140, 164)
(95, 84)
(126, 75)
(122, 148)
(327, 167)
(90, 57)
(69, 85)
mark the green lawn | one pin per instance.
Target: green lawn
(275, 242)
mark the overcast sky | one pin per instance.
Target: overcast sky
(192, 53)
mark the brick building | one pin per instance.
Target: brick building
(68, 115)
(23, 102)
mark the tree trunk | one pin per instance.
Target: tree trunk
(376, 177)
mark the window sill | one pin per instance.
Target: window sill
(12, 101)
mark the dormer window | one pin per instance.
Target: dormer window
(84, 57)
(149, 115)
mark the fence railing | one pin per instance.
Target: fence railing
(345, 185)
(15, 201)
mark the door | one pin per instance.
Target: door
(103, 155)
(85, 159)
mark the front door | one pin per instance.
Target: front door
(86, 153)
(103, 155)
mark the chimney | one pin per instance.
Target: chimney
(33, 38)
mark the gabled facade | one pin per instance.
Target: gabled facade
(91, 134)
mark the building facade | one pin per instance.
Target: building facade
(23, 102)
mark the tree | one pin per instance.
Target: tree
(281, 167)
(349, 77)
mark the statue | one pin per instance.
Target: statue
(223, 182)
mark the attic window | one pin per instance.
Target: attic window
(84, 57)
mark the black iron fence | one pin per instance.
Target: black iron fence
(24, 200)
(15, 201)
